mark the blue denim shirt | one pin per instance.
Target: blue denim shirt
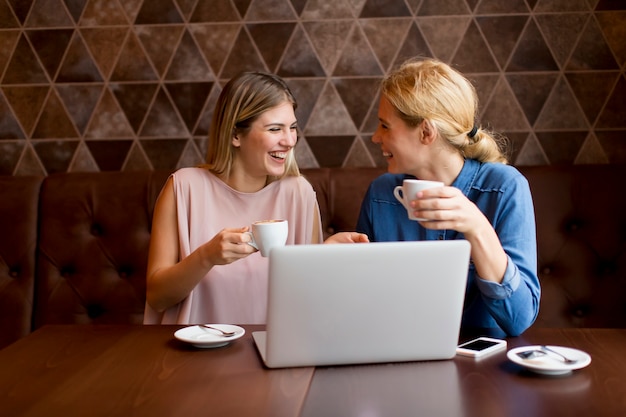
(502, 193)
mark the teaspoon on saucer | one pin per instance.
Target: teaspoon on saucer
(223, 332)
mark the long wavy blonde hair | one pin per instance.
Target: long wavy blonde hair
(429, 89)
(242, 100)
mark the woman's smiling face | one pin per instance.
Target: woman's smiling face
(263, 148)
(399, 143)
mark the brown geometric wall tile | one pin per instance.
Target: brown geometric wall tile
(271, 40)
(78, 66)
(158, 12)
(164, 153)
(532, 44)
(358, 105)
(55, 155)
(20, 8)
(104, 44)
(134, 99)
(562, 148)
(502, 6)
(413, 45)
(29, 163)
(9, 127)
(54, 122)
(26, 103)
(103, 13)
(306, 92)
(186, 7)
(8, 40)
(385, 36)
(614, 144)
(613, 26)
(133, 64)
(108, 120)
(473, 54)
(531, 91)
(83, 160)
(357, 59)
(75, 7)
(299, 59)
(592, 90)
(10, 152)
(503, 112)
(613, 114)
(269, 10)
(328, 39)
(7, 20)
(189, 99)
(330, 151)
(443, 8)
(80, 100)
(591, 152)
(532, 153)
(137, 160)
(515, 142)
(214, 11)
(50, 45)
(243, 57)
(151, 70)
(215, 42)
(444, 34)
(109, 154)
(162, 120)
(561, 32)
(561, 110)
(188, 62)
(23, 67)
(358, 156)
(390, 8)
(592, 51)
(48, 13)
(502, 33)
(562, 6)
(316, 9)
(131, 7)
(329, 116)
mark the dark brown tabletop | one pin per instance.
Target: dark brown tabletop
(81, 370)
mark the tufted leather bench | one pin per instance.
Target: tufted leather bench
(73, 247)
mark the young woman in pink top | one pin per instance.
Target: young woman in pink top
(200, 266)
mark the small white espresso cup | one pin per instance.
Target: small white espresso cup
(268, 234)
(406, 192)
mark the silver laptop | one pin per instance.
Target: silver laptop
(336, 304)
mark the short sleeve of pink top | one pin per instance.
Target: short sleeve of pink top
(234, 293)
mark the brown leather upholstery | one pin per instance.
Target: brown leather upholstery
(93, 243)
(18, 242)
(94, 231)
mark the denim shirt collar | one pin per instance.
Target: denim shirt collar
(466, 178)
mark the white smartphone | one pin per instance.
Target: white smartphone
(481, 347)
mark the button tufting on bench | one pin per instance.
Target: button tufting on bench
(14, 272)
(96, 229)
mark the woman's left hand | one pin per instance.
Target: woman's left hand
(347, 237)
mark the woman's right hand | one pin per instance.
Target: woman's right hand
(228, 246)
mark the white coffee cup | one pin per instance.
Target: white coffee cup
(268, 234)
(406, 192)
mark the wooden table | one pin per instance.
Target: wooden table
(81, 370)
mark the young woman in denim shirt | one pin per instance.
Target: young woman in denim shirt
(427, 130)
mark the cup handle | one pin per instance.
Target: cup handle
(397, 192)
(252, 241)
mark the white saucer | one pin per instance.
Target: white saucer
(206, 338)
(550, 364)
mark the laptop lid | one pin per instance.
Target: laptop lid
(334, 304)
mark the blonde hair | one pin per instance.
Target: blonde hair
(429, 89)
(243, 99)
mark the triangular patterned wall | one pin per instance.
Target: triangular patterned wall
(95, 85)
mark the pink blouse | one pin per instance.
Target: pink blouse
(235, 293)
